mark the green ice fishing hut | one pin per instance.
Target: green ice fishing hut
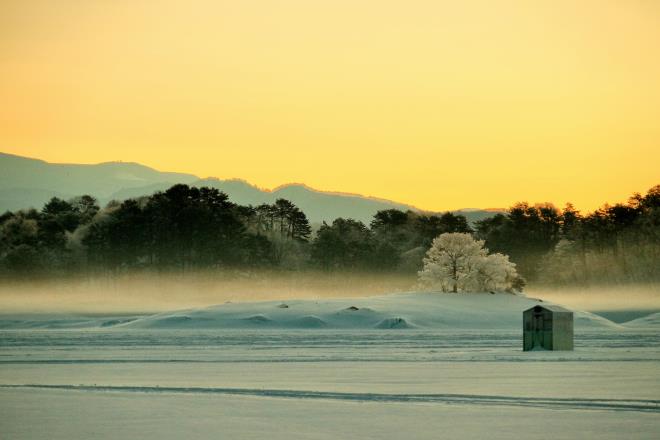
(547, 327)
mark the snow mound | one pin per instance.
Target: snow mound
(398, 311)
(258, 319)
(113, 322)
(451, 311)
(356, 310)
(650, 321)
(175, 321)
(591, 320)
(309, 322)
(394, 323)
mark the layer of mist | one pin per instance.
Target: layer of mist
(148, 293)
(605, 298)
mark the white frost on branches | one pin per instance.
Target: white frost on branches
(457, 262)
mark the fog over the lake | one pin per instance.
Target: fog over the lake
(144, 293)
(151, 292)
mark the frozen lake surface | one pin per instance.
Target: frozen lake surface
(116, 383)
(404, 366)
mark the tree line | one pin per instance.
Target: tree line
(187, 228)
(614, 244)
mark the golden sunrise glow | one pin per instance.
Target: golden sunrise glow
(440, 104)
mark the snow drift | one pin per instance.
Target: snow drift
(472, 311)
(650, 321)
(400, 311)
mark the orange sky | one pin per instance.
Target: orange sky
(440, 104)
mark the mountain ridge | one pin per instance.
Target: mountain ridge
(29, 183)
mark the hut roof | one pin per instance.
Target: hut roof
(552, 308)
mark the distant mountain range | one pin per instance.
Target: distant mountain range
(29, 183)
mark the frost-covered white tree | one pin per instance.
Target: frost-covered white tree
(495, 273)
(457, 262)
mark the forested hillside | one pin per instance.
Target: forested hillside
(186, 228)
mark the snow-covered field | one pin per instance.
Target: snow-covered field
(402, 366)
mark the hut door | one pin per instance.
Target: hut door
(538, 331)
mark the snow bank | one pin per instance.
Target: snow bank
(397, 311)
(400, 311)
(650, 321)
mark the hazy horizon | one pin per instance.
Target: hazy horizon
(138, 293)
